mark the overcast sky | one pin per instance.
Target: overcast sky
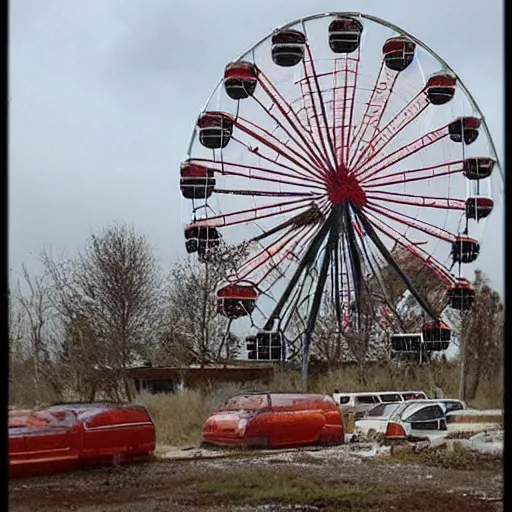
(104, 95)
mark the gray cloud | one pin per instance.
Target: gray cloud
(104, 95)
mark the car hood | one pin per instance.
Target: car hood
(228, 421)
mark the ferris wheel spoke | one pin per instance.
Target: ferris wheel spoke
(266, 193)
(412, 248)
(292, 312)
(310, 155)
(275, 145)
(287, 111)
(264, 174)
(314, 95)
(351, 102)
(411, 175)
(320, 285)
(345, 282)
(372, 116)
(286, 253)
(308, 258)
(402, 153)
(326, 133)
(255, 213)
(385, 135)
(288, 259)
(345, 102)
(267, 253)
(356, 267)
(413, 223)
(374, 266)
(367, 226)
(415, 200)
(311, 216)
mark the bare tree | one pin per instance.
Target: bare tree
(195, 332)
(34, 336)
(109, 296)
(481, 339)
(18, 350)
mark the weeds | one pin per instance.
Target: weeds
(459, 458)
(254, 487)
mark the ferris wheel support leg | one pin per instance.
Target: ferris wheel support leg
(309, 257)
(337, 291)
(333, 223)
(355, 261)
(391, 261)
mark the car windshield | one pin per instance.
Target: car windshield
(413, 396)
(452, 405)
(390, 397)
(366, 399)
(424, 413)
(382, 410)
(41, 419)
(245, 403)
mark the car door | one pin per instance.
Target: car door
(117, 431)
(294, 422)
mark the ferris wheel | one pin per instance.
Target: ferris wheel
(333, 150)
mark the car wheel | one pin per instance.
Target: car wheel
(371, 434)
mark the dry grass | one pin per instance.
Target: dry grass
(459, 458)
(387, 377)
(286, 486)
(179, 417)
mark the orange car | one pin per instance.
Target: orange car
(275, 420)
(65, 437)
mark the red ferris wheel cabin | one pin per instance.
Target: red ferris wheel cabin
(236, 300)
(478, 168)
(440, 88)
(288, 47)
(461, 295)
(215, 129)
(201, 238)
(436, 335)
(197, 181)
(479, 207)
(345, 34)
(398, 53)
(240, 79)
(465, 249)
(464, 129)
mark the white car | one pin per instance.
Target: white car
(376, 420)
(364, 401)
(416, 418)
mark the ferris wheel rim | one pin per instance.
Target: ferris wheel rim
(387, 24)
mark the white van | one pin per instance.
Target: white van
(363, 401)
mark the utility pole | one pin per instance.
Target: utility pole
(462, 375)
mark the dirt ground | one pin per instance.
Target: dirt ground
(327, 480)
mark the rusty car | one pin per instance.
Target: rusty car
(64, 437)
(271, 420)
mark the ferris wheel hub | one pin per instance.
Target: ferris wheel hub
(342, 186)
